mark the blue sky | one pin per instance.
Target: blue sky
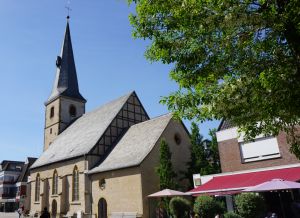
(109, 63)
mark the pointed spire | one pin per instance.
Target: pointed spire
(66, 83)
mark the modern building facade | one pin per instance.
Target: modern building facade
(23, 186)
(9, 174)
(236, 154)
(101, 163)
(246, 164)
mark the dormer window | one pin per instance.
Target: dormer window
(72, 111)
(51, 112)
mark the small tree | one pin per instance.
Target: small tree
(165, 172)
(199, 156)
(214, 152)
(208, 207)
(179, 207)
(250, 205)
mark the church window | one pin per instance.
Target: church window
(102, 208)
(50, 130)
(72, 111)
(75, 194)
(51, 112)
(37, 187)
(177, 138)
(55, 183)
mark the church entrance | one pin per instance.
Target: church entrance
(54, 209)
(102, 208)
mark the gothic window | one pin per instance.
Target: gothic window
(75, 188)
(55, 183)
(51, 112)
(72, 111)
(37, 187)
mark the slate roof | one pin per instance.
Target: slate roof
(135, 145)
(80, 137)
(6, 165)
(66, 83)
(25, 169)
(225, 124)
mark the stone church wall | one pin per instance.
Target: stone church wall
(122, 191)
(64, 196)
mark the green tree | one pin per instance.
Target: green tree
(165, 170)
(250, 205)
(237, 60)
(179, 207)
(199, 162)
(208, 207)
(214, 152)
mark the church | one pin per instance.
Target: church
(100, 163)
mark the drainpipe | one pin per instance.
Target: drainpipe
(90, 186)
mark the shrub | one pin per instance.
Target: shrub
(179, 207)
(208, 207)
(231, 215)
(250, 205)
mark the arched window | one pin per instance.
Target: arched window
(75, 193)
(37, 187)
(55, 183)
(72, 111)
(51, 112)
(54, 208)
(102, 208)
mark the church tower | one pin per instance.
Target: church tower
(65, 103)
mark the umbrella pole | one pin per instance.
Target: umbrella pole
(281, 205)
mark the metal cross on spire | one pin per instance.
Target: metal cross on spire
(68, 8)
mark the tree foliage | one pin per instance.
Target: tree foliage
(250, 205)
(214, 152)
(237, 60)
(179, 207)
(204, 155)
(231, 214)
(165, 170)
(208, 207)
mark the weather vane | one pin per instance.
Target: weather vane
(68, 8)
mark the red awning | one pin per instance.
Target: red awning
(235, 183)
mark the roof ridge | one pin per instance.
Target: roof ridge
(109, 102)
(154, 118)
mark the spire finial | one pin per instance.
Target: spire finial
(68, 9)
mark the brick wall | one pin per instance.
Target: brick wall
(230, 156)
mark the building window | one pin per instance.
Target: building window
(75, 193)
(72, 111)
(177, 138)
(37, 187)
(51, 112)
(259, 149)
(102, 208)
(55, 183)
